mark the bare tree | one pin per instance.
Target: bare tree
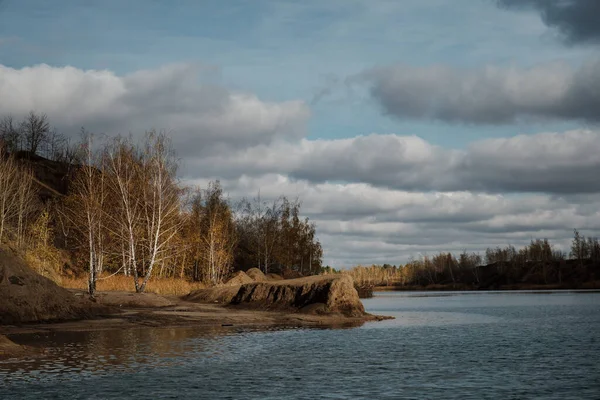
(10, 134)
(25, 198)
(35, 130)
(56, 145)
(123, 166)
(17, 197)
(8, 189)
(90, 192)
(160, 199)
(148, 202)
(218, 235)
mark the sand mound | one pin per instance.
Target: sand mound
(330, 294)
(220, 294)
(256, 274)
(336, 294)
(274, 277)
(239, 278)
(26, 296)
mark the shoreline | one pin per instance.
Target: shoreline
(150, 312)
(587, 286)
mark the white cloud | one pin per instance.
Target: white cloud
(200, 116)
(359, 223)
(566, 162)
(375, 198)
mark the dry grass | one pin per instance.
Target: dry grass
(374, 275)
(162, 286)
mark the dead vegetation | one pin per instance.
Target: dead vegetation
(121, 283)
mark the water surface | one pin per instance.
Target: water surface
(450, 345)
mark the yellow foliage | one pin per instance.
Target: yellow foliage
(376, 275)
(162, 286)
(40, 254)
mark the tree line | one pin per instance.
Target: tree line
(537, 262)
(126, 212)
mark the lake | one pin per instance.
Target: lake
(446, 345)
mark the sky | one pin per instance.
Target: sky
(404, 127)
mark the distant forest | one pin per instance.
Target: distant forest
(115, 206)
(535, 265)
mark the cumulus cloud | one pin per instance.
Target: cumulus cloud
(488, 95)
(566, 162)
(361, 223)
(200, 116)
(576, 20)
(375, 198)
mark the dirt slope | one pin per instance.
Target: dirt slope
(256, 274)
(239, 278)
(26, 296)
(331, 294)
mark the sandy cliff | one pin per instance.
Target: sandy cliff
(331, 294)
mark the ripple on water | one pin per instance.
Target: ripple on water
(453, 346)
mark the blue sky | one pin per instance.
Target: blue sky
(284, 50)
(405, 126)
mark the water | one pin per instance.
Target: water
(487, 345)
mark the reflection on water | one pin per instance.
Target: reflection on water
(451, 346)
(111, 351)
(105, 350)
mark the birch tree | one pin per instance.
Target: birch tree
(146, 219)
(124, 172)
(160, 200)
(218, 235)
(8, 195)
(89, 195)
(25, 199)
(17, 197)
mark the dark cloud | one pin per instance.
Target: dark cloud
(577, 20)
(560, 163)
(488, 95)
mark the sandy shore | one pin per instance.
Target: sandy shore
(130, 310)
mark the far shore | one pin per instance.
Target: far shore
(591, 286)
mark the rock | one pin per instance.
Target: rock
(335, 292)
(26, 296)
(256, 274)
